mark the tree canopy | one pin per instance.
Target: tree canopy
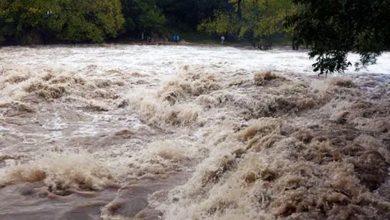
(254, 20)
(74, 21)
(330, 29)
(36, 21)
(333, 28)
(142, 15)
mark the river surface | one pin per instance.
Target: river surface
(190, 132)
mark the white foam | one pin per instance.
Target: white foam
(167, 60)
(3, 129)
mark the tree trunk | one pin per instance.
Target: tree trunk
(239, 8)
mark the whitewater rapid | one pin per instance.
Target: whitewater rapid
(190, 132)
(168, 60)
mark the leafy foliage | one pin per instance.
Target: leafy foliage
(47, 21)
(222, 23)
(333, 28)
(143, 15)
(37, 21)
(253, 19)
(189, 12)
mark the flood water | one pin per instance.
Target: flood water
(190, 132)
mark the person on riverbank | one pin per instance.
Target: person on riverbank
(176, 38)
(222, 39)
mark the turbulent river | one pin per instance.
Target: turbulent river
(190, 132)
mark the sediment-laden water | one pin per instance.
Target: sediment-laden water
(177, 132)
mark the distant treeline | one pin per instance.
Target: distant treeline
(329, 28)
(96, 21)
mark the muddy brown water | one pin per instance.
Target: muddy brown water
(33, 201)
(130, 132)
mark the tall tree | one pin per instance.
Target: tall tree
(333, 28)
(255, 20)
(37, 21)
(190, 13)
(143, 16)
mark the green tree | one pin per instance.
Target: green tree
(222, 23)
(21, 20)
(188, 14)
(256, 20)
(37, 21)
(143, 16)
(333, 28)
